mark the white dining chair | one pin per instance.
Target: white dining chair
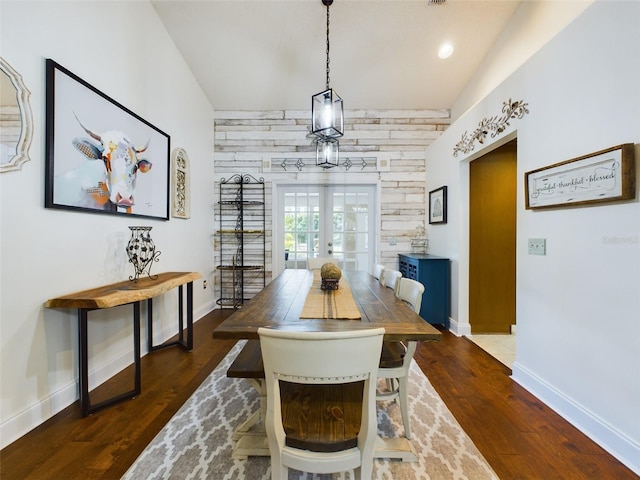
(377, 271)
(336, 359)
(316, 263)
(396, 356)
(390, 279)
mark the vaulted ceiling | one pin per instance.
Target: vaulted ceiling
(271, 54)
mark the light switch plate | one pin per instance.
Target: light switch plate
(537, 246)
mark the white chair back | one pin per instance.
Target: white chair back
(410, 291)
(377, 271)
(321, 358)
(390, 279)
(316, 263)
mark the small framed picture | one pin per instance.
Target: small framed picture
(438, 205)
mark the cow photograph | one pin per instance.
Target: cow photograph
(101, 157)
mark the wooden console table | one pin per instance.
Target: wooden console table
(125, 293)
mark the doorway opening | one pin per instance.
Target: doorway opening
(492, 250)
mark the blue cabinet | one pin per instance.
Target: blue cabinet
(435, 274)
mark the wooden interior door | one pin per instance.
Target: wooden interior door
(492, 241)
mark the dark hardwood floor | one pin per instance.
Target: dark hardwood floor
(518, 435)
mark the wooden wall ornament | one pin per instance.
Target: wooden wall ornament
(494, 125)
(180, 179)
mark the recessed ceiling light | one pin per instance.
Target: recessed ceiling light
(446, 49)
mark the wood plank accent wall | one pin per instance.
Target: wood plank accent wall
(246, 139)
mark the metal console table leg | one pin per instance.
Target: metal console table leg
(188, 343)
(127, 293)
(85, 398)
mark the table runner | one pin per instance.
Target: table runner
(331, 304)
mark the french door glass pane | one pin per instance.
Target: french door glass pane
(321, 221)
(351, 229)
(301, 226)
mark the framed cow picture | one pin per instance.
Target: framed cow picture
(100, 156)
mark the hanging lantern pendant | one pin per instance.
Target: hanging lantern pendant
(327, 113)
(327, 152)
(327, 110)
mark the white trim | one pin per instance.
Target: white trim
(383, 162)
(616, 443)
(18, 425)
(15, 427)
(266, 163)
(376, 162)
(459, 329)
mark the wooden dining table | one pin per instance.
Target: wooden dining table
(280, 305)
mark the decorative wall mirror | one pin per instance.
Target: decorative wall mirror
(16, 119)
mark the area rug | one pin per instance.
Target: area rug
(196, 443)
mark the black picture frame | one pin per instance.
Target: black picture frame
(438, 205)
(100, 156)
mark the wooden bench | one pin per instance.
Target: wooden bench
(392, 354)
(248, 363)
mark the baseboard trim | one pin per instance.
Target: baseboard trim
(18, 425)
(616, 443)
(15, 427)
(459, 329)
(22, 423)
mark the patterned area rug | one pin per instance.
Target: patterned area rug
(196, 443)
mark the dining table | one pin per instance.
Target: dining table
(285, 304)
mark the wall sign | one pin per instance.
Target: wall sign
(602, 176)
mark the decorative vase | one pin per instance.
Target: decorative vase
(330, 274)
(141, 251)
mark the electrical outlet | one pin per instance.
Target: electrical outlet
(204, 284)
(537, 246)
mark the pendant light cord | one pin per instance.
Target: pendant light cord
(327, 47)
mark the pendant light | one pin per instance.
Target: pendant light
(327, 117)
(327, 152)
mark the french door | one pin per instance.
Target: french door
(326, 221)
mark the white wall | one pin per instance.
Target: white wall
(533, 24)
(122, 49)
(578, 342)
